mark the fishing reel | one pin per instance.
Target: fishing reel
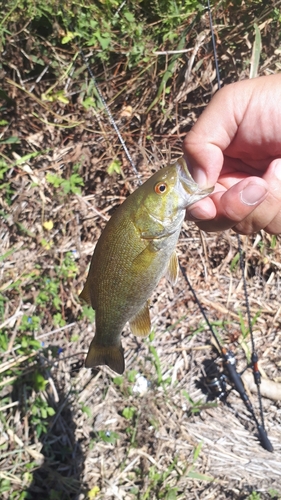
(216, 382)
(216, 386)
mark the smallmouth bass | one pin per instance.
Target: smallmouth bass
(136, 248)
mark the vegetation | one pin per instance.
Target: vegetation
(67, 433)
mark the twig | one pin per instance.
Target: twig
(65, 327)
(168, 52)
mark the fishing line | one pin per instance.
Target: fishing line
(106, 107)
(254, 355)
(214, 45)
(109, 114)
(235, 379)
(228, 357)
(241, 258)
(103, 101)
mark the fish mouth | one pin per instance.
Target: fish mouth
(188, 188)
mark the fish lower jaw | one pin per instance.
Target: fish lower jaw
(197, 195)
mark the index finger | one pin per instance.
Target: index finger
(204, 145)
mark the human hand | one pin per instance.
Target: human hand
(236, 146)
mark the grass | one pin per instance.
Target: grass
(68, 433)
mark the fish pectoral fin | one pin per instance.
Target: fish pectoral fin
(140, 324)
(172, 272)
(85, 294)
(110, 355)
(144, 259)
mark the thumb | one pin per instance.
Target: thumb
(204, 145)
(204, 160)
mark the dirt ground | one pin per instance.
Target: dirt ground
(154, 432)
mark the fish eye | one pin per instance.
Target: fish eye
(160, 188)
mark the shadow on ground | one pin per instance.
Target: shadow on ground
(59, 475)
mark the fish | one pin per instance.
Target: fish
(135, 250)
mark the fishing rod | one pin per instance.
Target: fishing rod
(229, 362)
(227, 356)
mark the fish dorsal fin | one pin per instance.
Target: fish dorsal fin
(140, 324)
(172, 272)
(85, 294)
(112, 356)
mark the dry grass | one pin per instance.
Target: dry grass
(106, 440)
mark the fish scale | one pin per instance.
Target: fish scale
(136, 248)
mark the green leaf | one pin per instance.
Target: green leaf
(89, 313)
(273, 241)
(68, 37)
(93, 493)
(92, 41)
(34, 410)
(37, 60)
(114, 167)
(196, 475)
(89, 102)
(128, 412)
(27, 157)
(129, 16)
(234, 262)
(132, 375)
(10, 140)
(54, 179)
(39, 382)
(103, 40)
(51, 412)
(108, 436)
(87, 410)
(44, 412)
(172, 494)
(118, 380)
(8, 253)
(5, 485)
(197, 450)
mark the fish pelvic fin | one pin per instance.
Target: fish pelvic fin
(110, 355)
(172, 272)
(85, 294)
(140, 324)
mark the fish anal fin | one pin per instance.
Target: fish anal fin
(85, 294)
(111, 355)
(172, 272)
(140, 324)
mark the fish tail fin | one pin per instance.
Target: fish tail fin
(85, 294)
(112, 356)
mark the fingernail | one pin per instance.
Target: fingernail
(197, 214)
(277, 170)
(252, 194)
(200, 177)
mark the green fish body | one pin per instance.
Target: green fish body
(136, 248)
